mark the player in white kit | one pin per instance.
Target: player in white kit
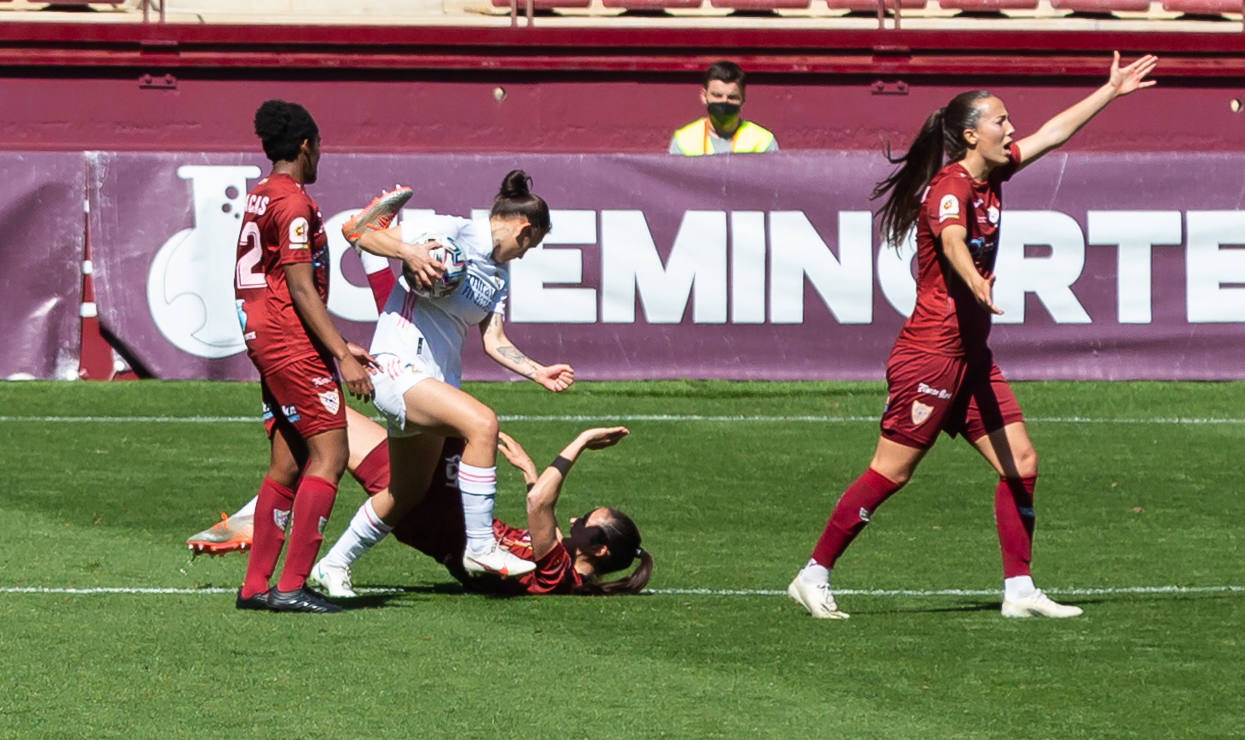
(418, 344)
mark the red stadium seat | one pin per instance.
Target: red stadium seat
(988, 6)
(1203, 7)
(759, 4)
(544, 4)
(651, 4)
(871, 6)
(1101, 6)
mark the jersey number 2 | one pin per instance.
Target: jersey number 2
(247, 276)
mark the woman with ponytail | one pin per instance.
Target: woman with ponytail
(418, 345)
(941, 375)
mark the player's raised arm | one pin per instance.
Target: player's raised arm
(417, 257)
(543, 497)
(556, 378)
(1056, 131)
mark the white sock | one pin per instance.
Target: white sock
(478, 486)
(248, 509)
(814, 572)
(365, 530)
(1018, 587)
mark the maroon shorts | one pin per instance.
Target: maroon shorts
(927, 393)
(306, 395)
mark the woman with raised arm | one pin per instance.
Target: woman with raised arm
(418, 344)
(600, 542)
(941, 375)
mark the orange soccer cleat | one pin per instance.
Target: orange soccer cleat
(230, 534)
(378, 214)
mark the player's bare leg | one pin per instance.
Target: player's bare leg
(1010, 452)
(891, 467)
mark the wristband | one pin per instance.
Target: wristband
(562, 465)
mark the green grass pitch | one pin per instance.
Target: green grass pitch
(1140, 489)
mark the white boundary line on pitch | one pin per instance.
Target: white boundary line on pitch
(1106, 591)
(602, 419)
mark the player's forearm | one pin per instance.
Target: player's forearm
(315, 317)
(1055, 132)
(387, 243)
(498, 347)
(956, 251)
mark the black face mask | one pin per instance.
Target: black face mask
(721, 111)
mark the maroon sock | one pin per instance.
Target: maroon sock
(312, 505)
(1013, 516)
(373, 472)
(272, 512)
(382, 282)
(851, 514)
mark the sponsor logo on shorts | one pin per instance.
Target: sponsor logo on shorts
(331, 401)
(864, 514)
(280, 518)
(321, 381)
(931, 391)
(290, 413)
(266, 413)
(948, 207)
(920, 412)
(298, 233)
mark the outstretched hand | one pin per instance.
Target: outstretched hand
(515, 454)
(596, 439)
(1133, 77)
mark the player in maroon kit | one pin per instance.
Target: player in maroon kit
(281, 285)
(602, 541)
(940, 375)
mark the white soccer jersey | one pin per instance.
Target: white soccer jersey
(429, 331)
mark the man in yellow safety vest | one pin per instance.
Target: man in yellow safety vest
(723, 130)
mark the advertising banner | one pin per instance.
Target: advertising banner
(1111, 266)
(41, 251)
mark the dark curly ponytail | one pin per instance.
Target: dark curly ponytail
(622, 543)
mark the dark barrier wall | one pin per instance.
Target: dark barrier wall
(1111, 266)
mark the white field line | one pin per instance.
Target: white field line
(604, 419)
(1105, 591)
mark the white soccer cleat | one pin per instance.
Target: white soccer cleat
(816, 598)
(1038, 604)
(496, 560)
(331, 580)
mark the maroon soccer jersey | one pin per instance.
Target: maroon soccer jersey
(435, 527)
(281, 226)
(947, 319)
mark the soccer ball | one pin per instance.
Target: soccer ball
(448, 254)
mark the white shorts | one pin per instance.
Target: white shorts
(395, 378)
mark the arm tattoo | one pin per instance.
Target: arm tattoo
(525, 366)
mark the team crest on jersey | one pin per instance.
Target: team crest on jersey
(992, 215)
(948, 207)
(920, 412)
(298, 233)
(331, 401)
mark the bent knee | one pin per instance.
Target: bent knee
(482, 427)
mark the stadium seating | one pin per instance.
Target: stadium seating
(1102, 6)
(988, 6)
(759, 4)
(543, 4)
(1204, 7)
(871, 6)
(651, 5)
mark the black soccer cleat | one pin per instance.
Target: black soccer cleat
(258, 602)
(300, 600)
